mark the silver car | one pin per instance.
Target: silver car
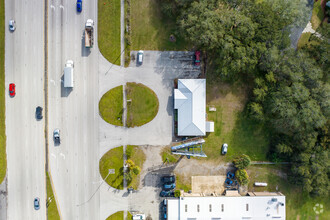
(56, 135)
(224, 148)
(12, 25)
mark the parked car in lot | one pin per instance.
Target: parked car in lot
(166, 194)
(12, 25)
(36, 203)
(39, 113)
(224, 148)
(56, 135)
(12, 91)
(79, 5)
(169, 186)
(140, 57)
(197, 58)
(168, 179)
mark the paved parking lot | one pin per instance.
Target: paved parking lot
(158, 71)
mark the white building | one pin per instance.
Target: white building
(270, 206)
(190, 101)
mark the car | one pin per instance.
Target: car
(169, 186)
(168, 179)
(12, 25)
(140, 57)
(56, 135)
(224, 148)
(39, 112)
(36, 203)
(12, 91)
(197, 58)
(166, 193)
(79, 5)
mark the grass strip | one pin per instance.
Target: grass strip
(317, 15)
(111, 106)
(113, 159)
(3, 158)
(138, 157)
(109, 30)
(142, 104)
(117, 216)
(52, 211)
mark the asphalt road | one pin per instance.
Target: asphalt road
(73, 163)
(24, 66)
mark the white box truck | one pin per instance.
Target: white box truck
(68, 74)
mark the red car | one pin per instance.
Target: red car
(12, 89)
(197, 58)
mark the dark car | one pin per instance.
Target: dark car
(169, 186)
(36, 203)
(79, 5)
(168, 179)
(197, 58)
(166, 193)
(12, 91)
(56, 135)
(39, 112)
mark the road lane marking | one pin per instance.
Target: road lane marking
(53, 155)
(52, 7)
(62, 155)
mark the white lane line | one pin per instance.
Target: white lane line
(62, 155)
(52, 7)
(53, 155)
(62, 7)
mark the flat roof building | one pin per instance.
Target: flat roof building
(260, 207)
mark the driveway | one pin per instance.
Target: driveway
(158, 72)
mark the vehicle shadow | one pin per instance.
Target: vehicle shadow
(65, 92)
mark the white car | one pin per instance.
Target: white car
(12, 25)
(224, 148)
(140, 57)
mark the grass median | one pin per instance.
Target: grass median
(111, 106)
(3, 158)
(113, 159)
(109, 30)
(52, 211)
(137, 155)
(142, 104)
(117, 216)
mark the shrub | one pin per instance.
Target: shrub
(177, 193)
(242, 176)
(129, 151)
(242, 162)
(136, 170)
(130, 163)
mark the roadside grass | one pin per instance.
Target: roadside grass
(232, 125)
(183, 183)
(168, 157)
(317, 15)
(117, 216)
(297, 203)
(303, 40)
(129, 216)
(3, 156)
(151, 30)
(52, 211)
(143, 106)
(113, 159)
(138, 157)
(109, 30)
(111, 106)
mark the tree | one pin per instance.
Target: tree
(136, 170)
(242, 162)
(242, 177)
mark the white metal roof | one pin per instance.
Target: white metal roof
(223, 207)
(190, 100)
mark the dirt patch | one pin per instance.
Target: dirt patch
(208, 184)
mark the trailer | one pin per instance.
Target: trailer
(89, 33)
(68, 74)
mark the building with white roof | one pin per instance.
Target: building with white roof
(190, 102)
(266, 207)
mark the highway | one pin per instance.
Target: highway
(24, 66)
(73, 163)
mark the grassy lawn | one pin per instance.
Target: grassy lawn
(113, 159)
(303, 40)
(52, 212)
(183, 183)
(3, 158)
(109, 29)
(318, 15)
(117, 216)
(111, 106)
(297, 202)
(143, 106)
(232, 126)
(150, 30)
(129, 216)
(138, 157)
(168, 157)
